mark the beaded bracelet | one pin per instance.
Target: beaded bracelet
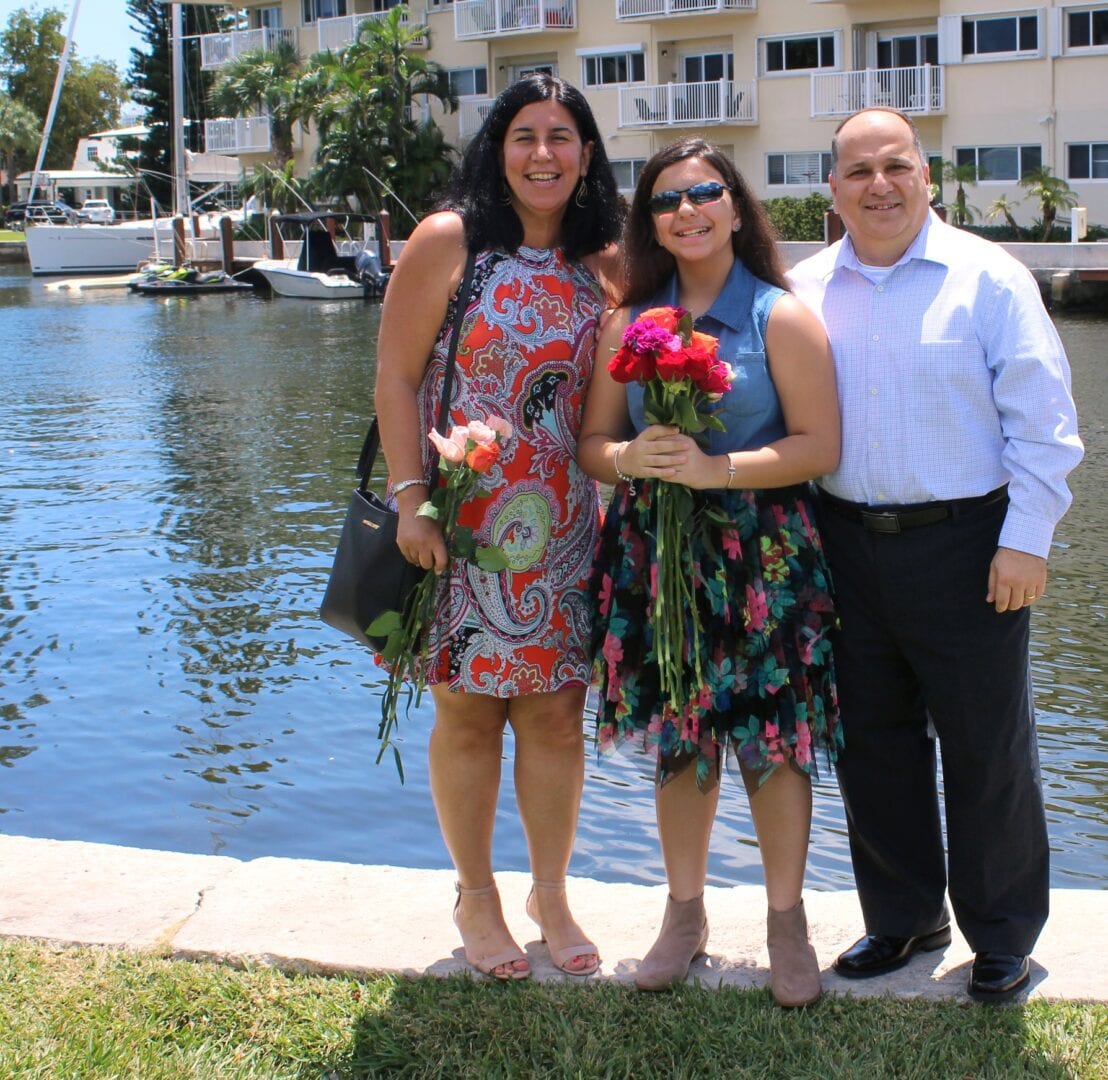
(405, 484)
(628, 480)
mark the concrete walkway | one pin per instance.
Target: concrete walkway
(334, 917)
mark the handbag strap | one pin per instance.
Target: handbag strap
(373, 437)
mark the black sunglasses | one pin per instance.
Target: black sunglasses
(665, 202)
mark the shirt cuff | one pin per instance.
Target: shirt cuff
(1026, 532)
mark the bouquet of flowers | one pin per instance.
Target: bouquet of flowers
(466, 455)
(682, 378)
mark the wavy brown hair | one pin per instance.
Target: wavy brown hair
(648, 264)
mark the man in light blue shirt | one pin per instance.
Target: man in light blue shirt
(958, 432)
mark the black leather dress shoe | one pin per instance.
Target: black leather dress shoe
(876, 954)
(998, 977)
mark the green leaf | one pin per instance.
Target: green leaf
(685, 327)
(492, 559)
(463, 545)
(388, 622)
(688, 419)
(399, 763)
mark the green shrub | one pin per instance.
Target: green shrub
(798, 219)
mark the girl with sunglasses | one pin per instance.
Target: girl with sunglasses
(697, 239)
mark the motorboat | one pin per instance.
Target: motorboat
(332, 264)
(89, 248)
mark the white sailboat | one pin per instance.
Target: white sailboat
(89, 248)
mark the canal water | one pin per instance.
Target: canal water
(174, 477)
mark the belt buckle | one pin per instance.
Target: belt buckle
(882, 522)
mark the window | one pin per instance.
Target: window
(708, 67)
(983, 36)
(1087, 29)
(627, 171)
(92, 152)
(1087, 161)
(609, 69)
(798, 53)
(1000, 162)
(908, 50)
(267, 18)
(469, 82)
(322, 9)
(798, 168)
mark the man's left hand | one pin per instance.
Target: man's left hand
(1016, 579)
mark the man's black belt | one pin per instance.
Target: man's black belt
(896, 519)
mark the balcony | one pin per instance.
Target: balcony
(471, 115)
(336, 34)
(660, 9)
(241, 135)
(700, 103)
(502, 18)
(216, 50)
(916, 90)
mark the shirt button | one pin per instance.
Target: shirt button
(880, 288)
(873, 391)
(876, 445)
(876, 337)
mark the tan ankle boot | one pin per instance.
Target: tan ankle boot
(793, 967)
(682, 939)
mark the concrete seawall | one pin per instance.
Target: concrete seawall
(335, 917)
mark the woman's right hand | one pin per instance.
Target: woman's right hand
(657, 452)
(420, 540)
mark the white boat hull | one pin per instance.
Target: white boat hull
(97, 249)
(286, 280)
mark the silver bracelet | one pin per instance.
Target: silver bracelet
(628, 480)
(730, 473)
(405, 484)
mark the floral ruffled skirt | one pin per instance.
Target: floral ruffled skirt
(765, 693)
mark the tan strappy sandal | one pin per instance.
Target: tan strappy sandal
(487, 965)
(562, 957)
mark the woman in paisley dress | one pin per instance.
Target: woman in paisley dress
(535, 197)
(696, 238)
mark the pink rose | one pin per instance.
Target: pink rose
(500, 426)
(447, 448)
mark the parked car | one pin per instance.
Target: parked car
(46, 215)
(98, 210)
(60, 212)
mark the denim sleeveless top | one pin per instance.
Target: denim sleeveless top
(750, 410)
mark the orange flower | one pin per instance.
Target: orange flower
(482, 458)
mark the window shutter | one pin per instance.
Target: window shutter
(871, 49)
(950, 39)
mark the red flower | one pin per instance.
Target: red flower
(628, 366)
(665, 317)
(482, 458)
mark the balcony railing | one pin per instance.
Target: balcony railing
(241, 135)
(722, 102)
(496, 18)
(219, 49)
(471, 115)
(336, 34)
(652, 9)
(917, 90)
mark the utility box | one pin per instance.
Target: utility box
(1079, 223)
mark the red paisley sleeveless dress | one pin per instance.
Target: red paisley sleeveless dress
(525, 353)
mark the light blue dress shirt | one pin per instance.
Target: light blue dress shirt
(750, 410)
(952, 380)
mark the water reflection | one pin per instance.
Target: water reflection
(175, 476)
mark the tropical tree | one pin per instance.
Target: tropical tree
(263, 81)
(1053, 194)
(962, 213)
(372, 145)
(1001, 207)
(19, 135)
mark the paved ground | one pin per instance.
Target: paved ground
(334, 917)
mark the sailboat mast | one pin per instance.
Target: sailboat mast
(177, 62)
(59, 78)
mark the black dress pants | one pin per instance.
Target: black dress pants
(919, 642)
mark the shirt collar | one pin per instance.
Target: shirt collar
(731, 307)
(931, 244)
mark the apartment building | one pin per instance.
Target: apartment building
(1006, 88)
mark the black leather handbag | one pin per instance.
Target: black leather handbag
(370, 576)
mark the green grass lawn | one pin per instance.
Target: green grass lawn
(69, 1013)
(10, 236)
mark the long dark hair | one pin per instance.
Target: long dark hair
(477, 185)
(649, 266)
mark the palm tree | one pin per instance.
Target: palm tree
(962, 213)
(1002, 206)
(1052, 192)
(19, 134)
(263, 81)
(371, 146)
